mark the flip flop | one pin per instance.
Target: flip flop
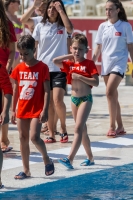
(111, 134)
(1, 186)
(64, 140)
(21, 176)
(6, 149)
(87, 162)
(122, 132)
(49, 140)
(49, 167)
(65, 162)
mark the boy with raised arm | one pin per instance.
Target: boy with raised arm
(82, 75)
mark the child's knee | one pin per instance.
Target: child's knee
(23, 138)
(78, 129)
(110, 93)
(35, 139)
(58, 102)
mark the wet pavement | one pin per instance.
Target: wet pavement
(109, 179)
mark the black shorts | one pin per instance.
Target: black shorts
(117, 73)
(57, 79)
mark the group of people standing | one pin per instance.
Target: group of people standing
(46, 76)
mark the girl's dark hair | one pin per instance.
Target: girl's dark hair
(4, 28)
(59, 20)
(6, 3)
(26, 42)
(81, 39)
(122, 14)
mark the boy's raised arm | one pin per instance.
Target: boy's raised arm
(58, 60)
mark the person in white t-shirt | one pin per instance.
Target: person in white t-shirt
(51, 39)
(31, 22)
(114, 39)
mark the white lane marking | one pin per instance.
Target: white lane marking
(13, 163)
(119, 141)
(63, 152)
(56, 154)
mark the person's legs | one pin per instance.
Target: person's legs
(51, 114)
(1, 162)
(4, 133)
(80, 116)
(57, 85)
(112, 82)
(45, 128)
(120, 127)
(86, 144)
(55, 123)
(58, 95)
(4, 137)
(23, 128)
(35, 129)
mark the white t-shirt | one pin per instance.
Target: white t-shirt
(52, 43)
(114, 39)
(37, 19)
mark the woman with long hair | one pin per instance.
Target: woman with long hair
(114, 39)
(7, 53)
(31, 22)
(51, 40)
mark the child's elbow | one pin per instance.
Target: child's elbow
(55, 61)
